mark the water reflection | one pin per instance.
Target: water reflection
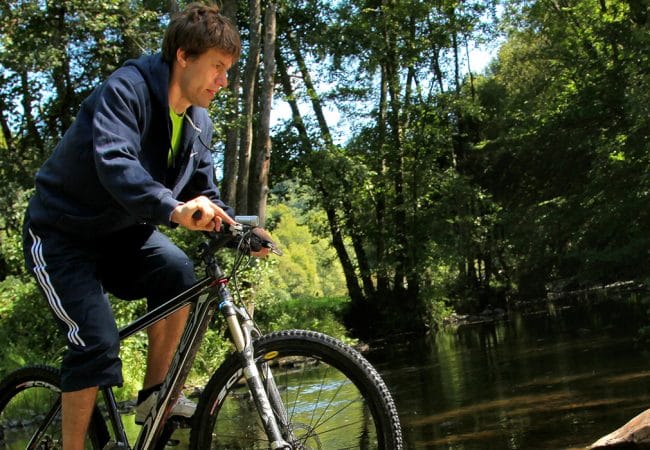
(556, 379)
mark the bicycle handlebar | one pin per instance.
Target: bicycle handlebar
(243, 228)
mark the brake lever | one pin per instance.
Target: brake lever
(275, 250)
(238, 229)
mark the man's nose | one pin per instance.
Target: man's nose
(222, 80)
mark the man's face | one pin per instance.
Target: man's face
(203, 76)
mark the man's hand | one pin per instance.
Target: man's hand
(210, 215)
(264, 236)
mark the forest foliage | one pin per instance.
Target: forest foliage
(437, 188)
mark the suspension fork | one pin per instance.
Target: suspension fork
(241, 336)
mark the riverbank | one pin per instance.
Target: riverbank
(625, 291)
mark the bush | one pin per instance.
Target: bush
(313, 313)
(27, 328)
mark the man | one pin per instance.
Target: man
(136, 157)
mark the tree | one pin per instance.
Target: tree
(377, 220)
(564, 156)
(52, 54)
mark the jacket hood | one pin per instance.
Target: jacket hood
(155, 72)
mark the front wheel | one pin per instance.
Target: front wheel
(30, 412)
(332, 398)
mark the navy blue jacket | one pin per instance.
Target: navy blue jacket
(110, 169)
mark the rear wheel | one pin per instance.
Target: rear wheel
(30, 412)
(331, 398)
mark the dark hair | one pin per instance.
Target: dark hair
(197, 29)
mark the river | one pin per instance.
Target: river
(556, 378)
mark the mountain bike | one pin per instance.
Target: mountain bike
(292, 389)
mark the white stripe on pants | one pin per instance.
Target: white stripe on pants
(40, 270)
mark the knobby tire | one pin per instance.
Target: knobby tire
(332, 396)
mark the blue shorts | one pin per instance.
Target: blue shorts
(76, 274)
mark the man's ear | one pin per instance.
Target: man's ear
(181, 57)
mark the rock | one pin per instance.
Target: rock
(634, 434)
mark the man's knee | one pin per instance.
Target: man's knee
(172, 272)
(177, 262)
(96, 364)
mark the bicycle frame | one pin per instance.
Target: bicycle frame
(204, 295)
(203, 298)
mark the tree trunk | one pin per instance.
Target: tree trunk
(382, 275)
(309, 85)
(6, 141)
(231, 147)
(296, 118)
(61, 117)
(359, 250)
(391, 63)
(351, 280)
(259, 185)
(33, 136)
(248, 100)
(472, 87)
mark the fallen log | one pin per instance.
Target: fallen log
(634, 434)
